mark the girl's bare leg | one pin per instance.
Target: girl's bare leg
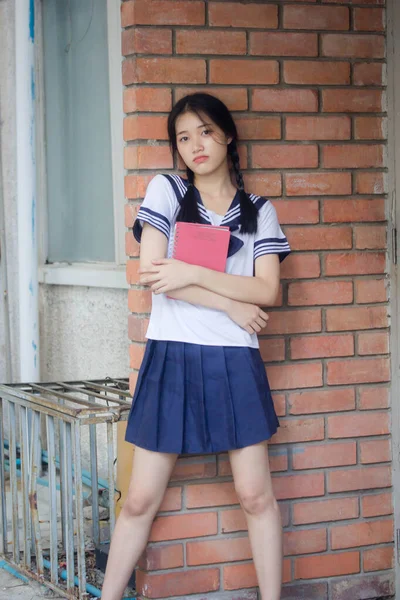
(250, 468)
(151, 472)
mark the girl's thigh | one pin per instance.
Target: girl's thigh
(151, 472)
(251, 472)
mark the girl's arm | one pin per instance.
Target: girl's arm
(168, 274)
(249, 317)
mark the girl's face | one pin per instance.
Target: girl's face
(201, 144)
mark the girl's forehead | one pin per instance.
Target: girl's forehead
(190, 120)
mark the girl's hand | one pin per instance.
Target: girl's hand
(248, 316)
(167, 275)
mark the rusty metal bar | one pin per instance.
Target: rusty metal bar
(111, 483)
(80, 535)
(2, 483)
(95, 484)
(12, 452)
(51, 453)
(33, 476)
(27, 525)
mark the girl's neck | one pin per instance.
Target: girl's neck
(215, 185)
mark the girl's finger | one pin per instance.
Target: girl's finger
(264, 315)
(262, 322)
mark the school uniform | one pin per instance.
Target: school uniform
(202, 386)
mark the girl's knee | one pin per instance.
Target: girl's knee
(138, 504)
(255, 502)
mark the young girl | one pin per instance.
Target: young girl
(202, 386)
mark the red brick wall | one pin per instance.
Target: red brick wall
(306, 81)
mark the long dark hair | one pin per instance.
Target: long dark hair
(206, 104)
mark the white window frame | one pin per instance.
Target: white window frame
(96, 274)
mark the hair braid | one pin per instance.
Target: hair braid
(248, 210)
(189, 211)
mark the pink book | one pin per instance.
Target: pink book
(203, 245)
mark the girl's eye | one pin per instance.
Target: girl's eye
(183, 139)
(207, 131)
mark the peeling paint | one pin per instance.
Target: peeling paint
(32, 20)
(31, 287)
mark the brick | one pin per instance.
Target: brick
(368, 370)
(147, 157)
(327, 565)
(235, 98)
(145, 127)
(369, 19)
(272, 349)
(376, 505)
(242, 72)
(137, 327)
(361, 263)
(349, 101)
(319, 238)
(317, 184)
(357, 317)
(162, 12)
(212, 494)
(353, 209)
(147, 99)
(192, 41)
(299, 430)
(132, 381)
(183, 526)
(378, 559)
(259, 128)
(304, 541)
(132, 275)
(316, 17)
(281, 43)
(298, 486)
(194, 468)
(238, 14)
(316, 72)
(279, 404)
(156, 558)
(217, 551)
(143, 40)
(284, 156)
(365, 478)
(294, 321)
(305, 591)
(357, 425)
(362, 534)
(172, 500)
(373, 342)
(297, 211)
(304, 266)
(321, 511)
(370, 183)
(321, 401)
(369, 73)
(373, 397)
(263, 184)
(294, 376)
(353, 46)
(370, 237)
(139, 301)
(296, 100)
(135, 187)
(363, 587)
(375, 451)
(310, 293)
(325, 455)
(239, 576)
(318, 128)
(370, 290)
(370, 128)
(321, 346)
(164, 70)
(167, 585)
(350, 156)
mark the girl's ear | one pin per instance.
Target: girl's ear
(228, 140)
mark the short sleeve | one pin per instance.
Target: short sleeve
(270, 238)
(158, 207)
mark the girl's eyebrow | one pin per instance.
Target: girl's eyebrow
(198, 127)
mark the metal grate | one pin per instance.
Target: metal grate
(50, 543)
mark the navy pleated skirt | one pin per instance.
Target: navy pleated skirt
(194, 399)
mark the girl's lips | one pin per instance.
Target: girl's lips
(200, 159)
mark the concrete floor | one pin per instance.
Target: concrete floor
(13, 588)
